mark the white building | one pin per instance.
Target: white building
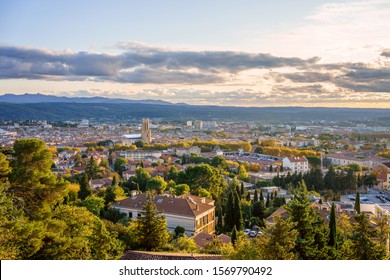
(138, 155)
(296, 164)
(355, 158)
(195, 214)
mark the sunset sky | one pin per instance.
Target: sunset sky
(236, 53)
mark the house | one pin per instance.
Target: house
(187, 151)
(362, 159)
(383, 177)
(195, 214)
(100, 183)
(296, 164)
(138, 155)
(202, 238)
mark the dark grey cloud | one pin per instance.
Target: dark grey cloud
(138, 64)
(163, 76)
(386, 53)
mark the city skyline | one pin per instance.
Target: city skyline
(252, 53)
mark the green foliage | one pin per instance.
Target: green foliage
(203, 176)
(182, 189)
(278, 241)
(357, 203)
(185, 245)
(172, 173)
(119, 165)
(93, 204)
(242, 174)
(92, 169)
(233, 214)
(332, 227)
(179, 231)
(311, 242)
(85, 188)
(156, 184)
(219, 162)
(314, 161)
(32, 184)
(362, 247)
(151, 227)
(234, 235)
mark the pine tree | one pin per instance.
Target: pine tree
(311, 243)
(332, 227)
(151, 226)
(357, 203)
(92, 168)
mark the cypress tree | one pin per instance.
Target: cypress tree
(320, 201)
(242, 189)
(255, 196)
(237, 211)
(85, 189)
(248, 197)
(234, 235)
(357, 203)
(261, 195)
(270, 168)
(219, 215)
(267, 203)
(332, 227)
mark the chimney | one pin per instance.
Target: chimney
(197, 207)
(203, 200)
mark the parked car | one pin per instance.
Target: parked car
(246, 231)
(253, 233)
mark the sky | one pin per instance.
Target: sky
(221, 52)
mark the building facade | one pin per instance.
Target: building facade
(296, 164)
(146, 133)
(195, 214)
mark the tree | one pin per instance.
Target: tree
(233, 215)
(219, 162)
(267, 203)
(242, 190)
(75, 233)
(93, 204)
(357, 203)
(92, 168)
(156, 184)
(332, 227)
(182, 189)
(172, 173)
(141, 178)
(258, 209)
(119, 165)
(85, 188)
(179, 231)
(242, 174)
(234, 235)
(314, 161)
(311, 241)
(35, 189)
(278, 241)
(4, 168)
(151, 227)
(362, 246)
(110, 195)
(203, 176)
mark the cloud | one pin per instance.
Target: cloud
(386, 53)
(138, 64)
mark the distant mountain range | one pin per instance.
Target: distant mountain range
(53, 108)
(42, 98)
